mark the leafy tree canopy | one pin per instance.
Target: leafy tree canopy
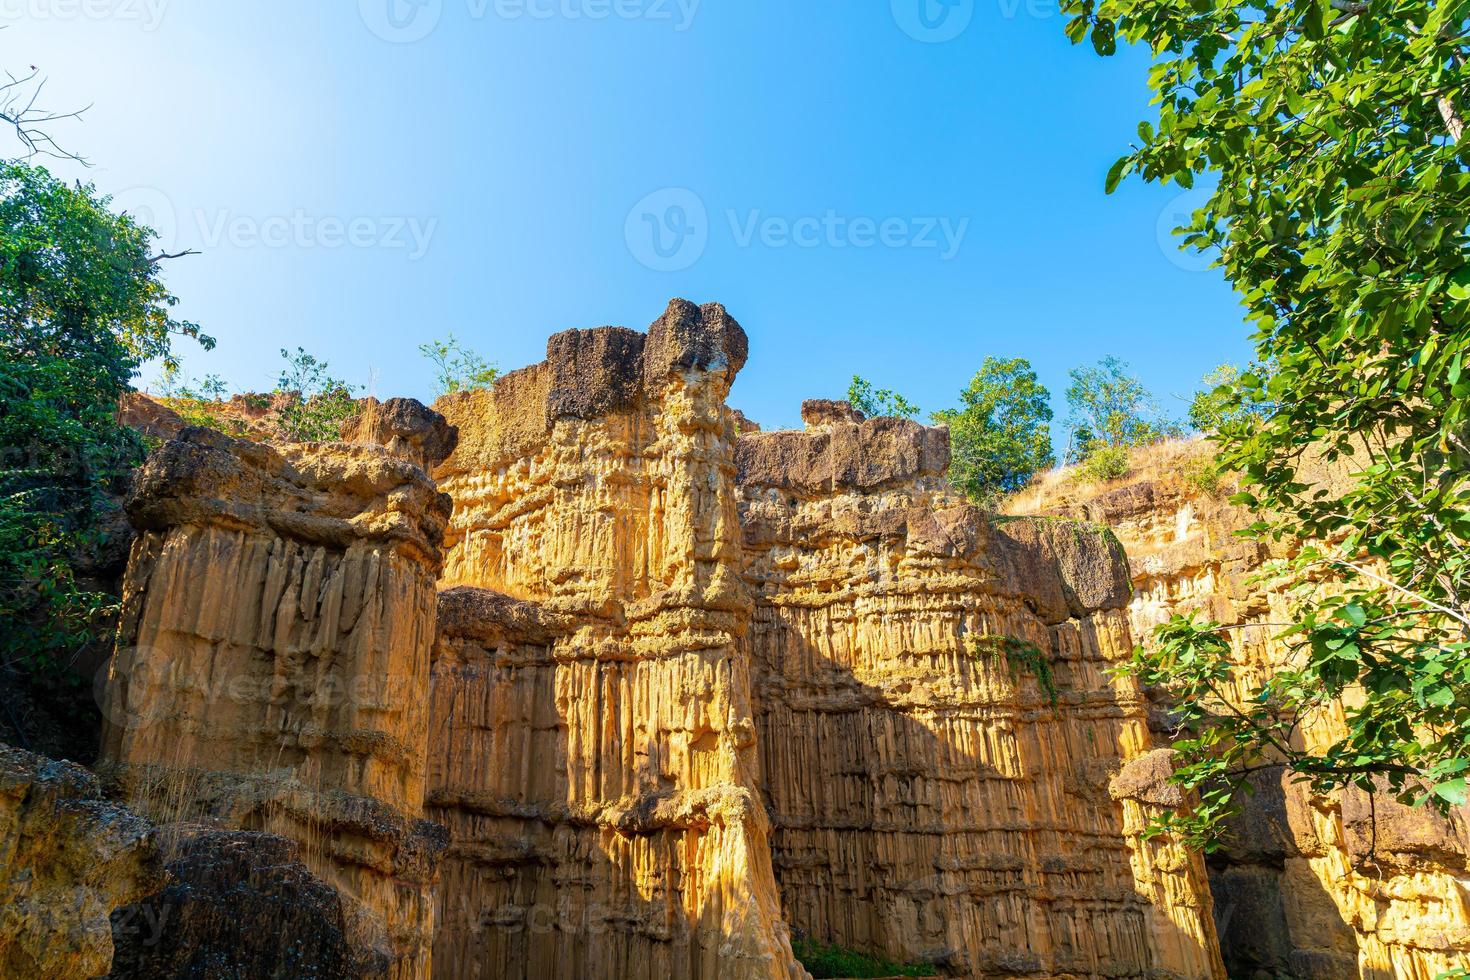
(1111, 408)
(1330, 134)
(1000, 434)
(1222, 401)
(878, 402)
(81, 303)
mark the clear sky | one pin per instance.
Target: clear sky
(895, 189)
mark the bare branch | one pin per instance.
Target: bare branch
(18, 98)
(163, 256)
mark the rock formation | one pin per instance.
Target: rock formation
(272, 669)
(238, 904)
(1306, 887)
(593, 748)
(673, 687)
(67, 860)
(597, 650)
(936, 727)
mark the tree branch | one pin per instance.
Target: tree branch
(162, 256)
(18, 111)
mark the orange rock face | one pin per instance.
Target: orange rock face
(1333, 888)
(646, 658)
(674, 692)
(272, 670)
(931, 801)
(593, 749)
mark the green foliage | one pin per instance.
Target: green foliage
(1103, 463)
(80, 304)
(456, 367)
(1204, 475)
(835, 961)
(999, 436)
(1331, 133)
(317, 403)
(1111, 408)
(1019, 656)
(196, 400)
(77, 280)
(879, 402)
(1223, 402)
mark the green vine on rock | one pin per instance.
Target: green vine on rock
(1018, 655)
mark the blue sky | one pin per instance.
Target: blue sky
(880, 188)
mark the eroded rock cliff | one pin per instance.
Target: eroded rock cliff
(593, 749)
(272, 670)
(68, 859)
(936, 727)
(1335, 888)
(674, 688)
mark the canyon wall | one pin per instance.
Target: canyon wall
(1335, 888)
(593, 753)
(643, 652)
(272, 669)
(932, 798)
(674, 689)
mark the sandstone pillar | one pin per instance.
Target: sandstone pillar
(272, 666)
(593, 748)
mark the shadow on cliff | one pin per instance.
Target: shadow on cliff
(1268, 902)
(935, 825)
(546, 878)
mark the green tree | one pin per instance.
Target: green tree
(1000, 435)
(316, 403)
(1330, 134)
(1110, 408)
(879, 402)
(456, 367)
(81, 304)
(1222, 401)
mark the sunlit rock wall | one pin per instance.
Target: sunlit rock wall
(1305, 886)
(929, 800)
(272, 670)
(593, 752)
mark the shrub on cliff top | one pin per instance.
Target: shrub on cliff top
(457, 367)
(878, 402)
(1000, 435)
(316, 404)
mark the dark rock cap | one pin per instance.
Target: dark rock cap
(1146, 779)
(593, 372)
(1064, 568)
(489, 616)
(406, 427)
(819, 412)
(843, 455)
(694, 337)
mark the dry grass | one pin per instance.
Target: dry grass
(1169, 461)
